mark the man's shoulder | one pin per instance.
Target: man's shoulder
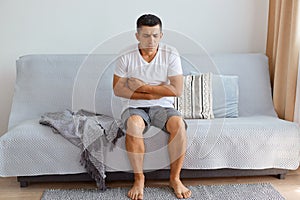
(168, 49)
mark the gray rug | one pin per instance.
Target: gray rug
(260, 191)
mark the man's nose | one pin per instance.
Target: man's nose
(151, 39)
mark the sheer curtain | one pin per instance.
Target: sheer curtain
(283, 51)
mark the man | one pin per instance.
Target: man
(148, 76)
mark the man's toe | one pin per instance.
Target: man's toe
(179, 195)
(187, 194)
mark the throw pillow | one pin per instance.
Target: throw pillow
(196, 100)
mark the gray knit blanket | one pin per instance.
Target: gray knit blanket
(92, 133)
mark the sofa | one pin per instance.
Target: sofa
(244, 138)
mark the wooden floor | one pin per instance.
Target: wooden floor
(9, 187)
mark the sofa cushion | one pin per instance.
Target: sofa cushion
(50, 83)
(225, 96)
(33, 149)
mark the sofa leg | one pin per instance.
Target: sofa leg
(281, 176)
(24, 183)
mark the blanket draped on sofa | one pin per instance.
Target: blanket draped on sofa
(91, 132)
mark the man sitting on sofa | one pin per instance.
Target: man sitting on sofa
(148, 75)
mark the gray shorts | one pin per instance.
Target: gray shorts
(155, 115)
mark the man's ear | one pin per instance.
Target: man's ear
(137, 36)
(161, 35)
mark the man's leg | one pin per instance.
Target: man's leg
(135, 149)
(177, 147)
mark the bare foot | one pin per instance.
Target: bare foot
(137, 190)
(180, 190)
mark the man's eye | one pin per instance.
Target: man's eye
(146, 36)
(155, 35)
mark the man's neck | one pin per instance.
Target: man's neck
(148, 54)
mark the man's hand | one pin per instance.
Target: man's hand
(135, 84)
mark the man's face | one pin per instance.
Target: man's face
(149, 37)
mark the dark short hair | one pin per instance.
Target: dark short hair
(148, 20)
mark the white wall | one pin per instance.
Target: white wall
(77, 26)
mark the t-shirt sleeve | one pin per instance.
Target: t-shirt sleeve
(121, 67)
(174, 68)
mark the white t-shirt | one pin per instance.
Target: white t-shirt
(165, 63)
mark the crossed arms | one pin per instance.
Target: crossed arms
(133, 88)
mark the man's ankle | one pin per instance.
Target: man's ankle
(139, 176)
(174, 178)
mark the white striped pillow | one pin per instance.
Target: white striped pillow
(196, 99)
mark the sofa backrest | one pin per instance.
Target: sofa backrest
(50, 83)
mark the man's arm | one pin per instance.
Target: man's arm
(121, 90)
(173, 89)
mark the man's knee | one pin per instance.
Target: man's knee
(135, 125)
(175, 124)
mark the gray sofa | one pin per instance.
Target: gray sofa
(256, 142)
